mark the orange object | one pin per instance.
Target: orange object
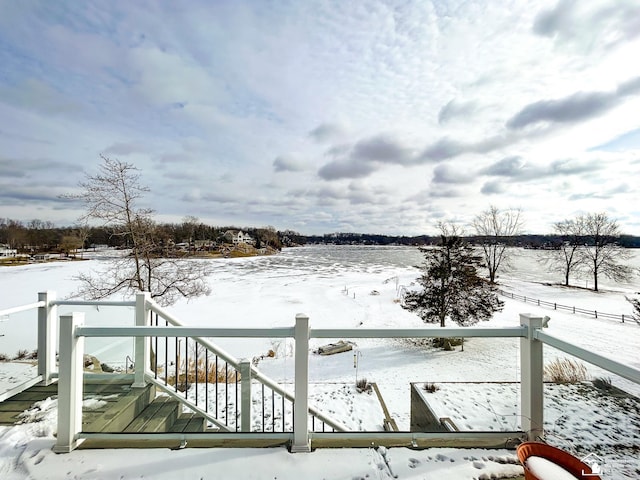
(563, 459)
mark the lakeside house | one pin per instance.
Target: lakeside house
(6, 251)
(237, 237)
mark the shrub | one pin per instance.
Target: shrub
(4, 357)
(431, 387)
(187, 374)
(447, 343)
(565, 371)
(603, 383)
(363, 385)
(21, 355)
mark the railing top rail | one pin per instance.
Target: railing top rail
(608, 364)
(281, 332)
(194, 332)
(21, 308)
(99, 303)
(423, 332)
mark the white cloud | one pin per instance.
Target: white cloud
(326, 115)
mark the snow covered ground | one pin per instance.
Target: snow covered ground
(334, 286)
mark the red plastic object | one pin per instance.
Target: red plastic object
(561, 458)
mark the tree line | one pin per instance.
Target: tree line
(38, 236)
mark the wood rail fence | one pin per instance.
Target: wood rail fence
(558, 306)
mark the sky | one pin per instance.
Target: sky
(318, 116)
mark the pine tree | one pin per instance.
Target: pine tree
(635, 302)
(452, 287)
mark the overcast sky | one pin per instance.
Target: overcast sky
(319, 116)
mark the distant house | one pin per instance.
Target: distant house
(5, 251)
(237, 236)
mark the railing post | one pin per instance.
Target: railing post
(245, 395)
(47, 329)
(531, 371)
(70, 383)
(141, 354)
(301, 405)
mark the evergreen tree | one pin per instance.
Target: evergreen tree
(635, 302)
(451, 284)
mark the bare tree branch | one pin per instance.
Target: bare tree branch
(112, 196)
(495, 228)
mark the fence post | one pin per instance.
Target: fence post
(531, 378)
(301, 441)
(141, 354)
(70, 383)
(47, 342)
(245, 395)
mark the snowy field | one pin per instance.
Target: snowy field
(334, 286)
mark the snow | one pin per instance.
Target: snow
(13, 374)
(546, 470)
(335, 287)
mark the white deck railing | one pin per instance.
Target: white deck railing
(71, 348)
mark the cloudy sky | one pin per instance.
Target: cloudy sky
(319, 116)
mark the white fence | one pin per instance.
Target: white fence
(73, 332)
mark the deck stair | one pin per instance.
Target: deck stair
(111, 405)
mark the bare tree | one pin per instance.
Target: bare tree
(601, 253)
(190, 223)
(567, 258)
(112, 196)
(494, 228)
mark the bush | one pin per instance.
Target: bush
(4, 357)
(21, 355)
(565, 371)
(363, 385)
(447, 343)
(431, 387)
(187, 374)
(603, 383)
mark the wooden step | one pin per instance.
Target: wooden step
(188, 423)
(159, 415)
(119, 411)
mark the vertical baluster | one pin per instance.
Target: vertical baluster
(196, 370)
(186, 366)
(226, 393)
(177, 359)
(313, 423)
(217, 386)
(155, 366)
(273, 411)
(283, 412)
(263, 407)
(166, 355)
(236, 409)
(206, 380)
